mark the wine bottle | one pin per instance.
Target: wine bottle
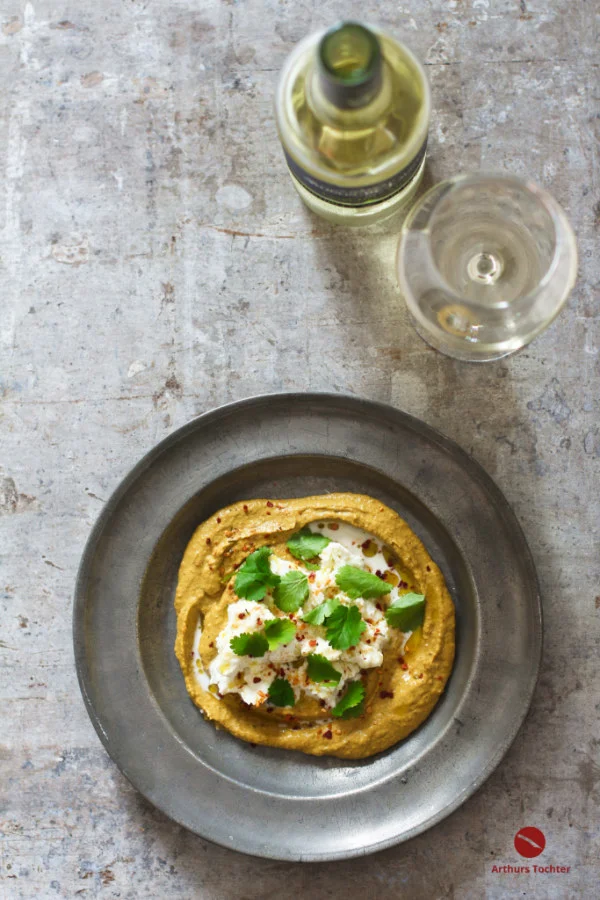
(352, 110)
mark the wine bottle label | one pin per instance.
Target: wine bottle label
(357, 196)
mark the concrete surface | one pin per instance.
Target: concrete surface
(155, 262)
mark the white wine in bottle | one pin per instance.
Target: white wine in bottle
(353, 108)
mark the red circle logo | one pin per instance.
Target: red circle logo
(529, 842)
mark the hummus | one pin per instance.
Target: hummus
(397, 675)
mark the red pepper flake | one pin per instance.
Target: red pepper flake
(282, 672)
(269, 503)
(439, 677)
(379, 573)
(386, 695)
(366, 544)
(402, 584)
(379, 607)
(368, 641)
(212, 644)
(421, 675)
(328, 734)
(259, 621)
(208, 541)
(312, 643)
(268, 513)
(428, 568)
(404, 666)
(242, 616)
(299, 637)
(333, 526)
(311, 577)
(322, 703)
(257, 680)
(218, 520)
(245, 507)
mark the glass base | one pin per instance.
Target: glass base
(361, 215)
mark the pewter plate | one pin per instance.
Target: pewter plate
(275, 803)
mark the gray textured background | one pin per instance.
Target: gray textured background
(156, 262)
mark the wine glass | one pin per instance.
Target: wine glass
(485, 263)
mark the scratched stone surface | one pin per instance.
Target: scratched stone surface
(156, 262)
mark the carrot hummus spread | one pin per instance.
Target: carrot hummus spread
(318, 624)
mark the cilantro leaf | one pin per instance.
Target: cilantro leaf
(319, 669)
(406, 612)
(352, 703)
(249, 644)
(344, 627)
(255, 576)
(281, 693)
(291, 592)
(358, 583)
(313, 566)
(318, 615)
(279, 631)
(305, 544)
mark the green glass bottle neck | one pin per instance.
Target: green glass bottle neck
(350, 65)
